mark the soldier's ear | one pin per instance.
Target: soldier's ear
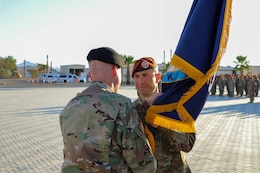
(89, 74)
(114, 70)
(158, 77)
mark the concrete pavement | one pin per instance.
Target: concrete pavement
(228, 132)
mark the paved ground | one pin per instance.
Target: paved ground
(228, 132)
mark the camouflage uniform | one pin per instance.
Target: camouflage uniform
(214, 87)
(230, 86)
(256, 85)
(250, 89)
(221, 85)
(102, 133)
(169, 147)
(246, 78)
(240, 86)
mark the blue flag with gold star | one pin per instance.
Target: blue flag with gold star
(186, 83)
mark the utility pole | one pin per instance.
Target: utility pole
(164, 65)
(164, 56)
(24, 68)
(51, 67)
(170, 54)
(47, 68)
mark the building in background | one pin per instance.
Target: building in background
(77, 69)
(225, 70)
(254, 70)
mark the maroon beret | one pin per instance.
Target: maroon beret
(144, 63)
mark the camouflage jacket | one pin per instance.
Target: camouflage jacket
(102, 133)
(169, 146)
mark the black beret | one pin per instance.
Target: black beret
(107, 55)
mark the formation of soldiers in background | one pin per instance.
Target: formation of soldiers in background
(241, 85)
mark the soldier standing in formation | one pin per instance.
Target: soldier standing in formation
(250, 89)
(230, 85)
(221, 85)
(240, 85)
(256, 85)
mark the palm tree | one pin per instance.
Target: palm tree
(34, 72)
(241, 64)
(128, 60)
(41, 68)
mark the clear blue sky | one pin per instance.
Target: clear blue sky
(66, 30)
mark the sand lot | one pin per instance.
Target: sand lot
(228, 129)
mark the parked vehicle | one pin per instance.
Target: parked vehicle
(52, 78)
(48, 77)
(82, 80)
(42, 77)
(68, 78)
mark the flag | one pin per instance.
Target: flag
(186, 83)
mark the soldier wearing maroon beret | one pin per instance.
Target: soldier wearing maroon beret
(169, 144)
